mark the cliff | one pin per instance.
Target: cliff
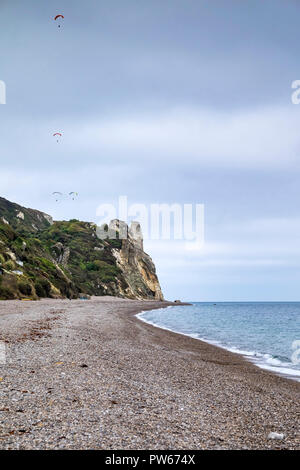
(42, 258)
(137, 267)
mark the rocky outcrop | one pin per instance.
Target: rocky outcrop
(137, 267)
(61, 254)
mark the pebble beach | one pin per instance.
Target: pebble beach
(91, 375)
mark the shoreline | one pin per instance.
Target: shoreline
(91, 375)
(247, 356)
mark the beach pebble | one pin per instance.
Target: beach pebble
(130, 396)
(275, 435)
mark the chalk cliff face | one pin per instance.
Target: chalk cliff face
(42, 258)
(137, 267)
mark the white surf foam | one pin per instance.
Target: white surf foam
(264, 361)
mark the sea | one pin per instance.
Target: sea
(266, 333)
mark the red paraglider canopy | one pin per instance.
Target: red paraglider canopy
(57, 133)
(59, 16)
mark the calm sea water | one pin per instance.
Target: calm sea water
(264, 332)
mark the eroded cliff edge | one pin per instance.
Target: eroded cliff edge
(137, 267)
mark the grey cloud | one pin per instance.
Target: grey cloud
(163, 101)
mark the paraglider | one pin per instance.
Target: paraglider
(57, 134)
(59, 16)
(73, 195)
(58, 195)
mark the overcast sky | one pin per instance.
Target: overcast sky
(165, 101)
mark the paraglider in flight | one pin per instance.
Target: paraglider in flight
(59, 16)
(58, 195)
(57, 134)
(73, 195)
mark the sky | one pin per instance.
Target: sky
(174, 101)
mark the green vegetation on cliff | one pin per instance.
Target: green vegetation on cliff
(62, 260)
(42, 258)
